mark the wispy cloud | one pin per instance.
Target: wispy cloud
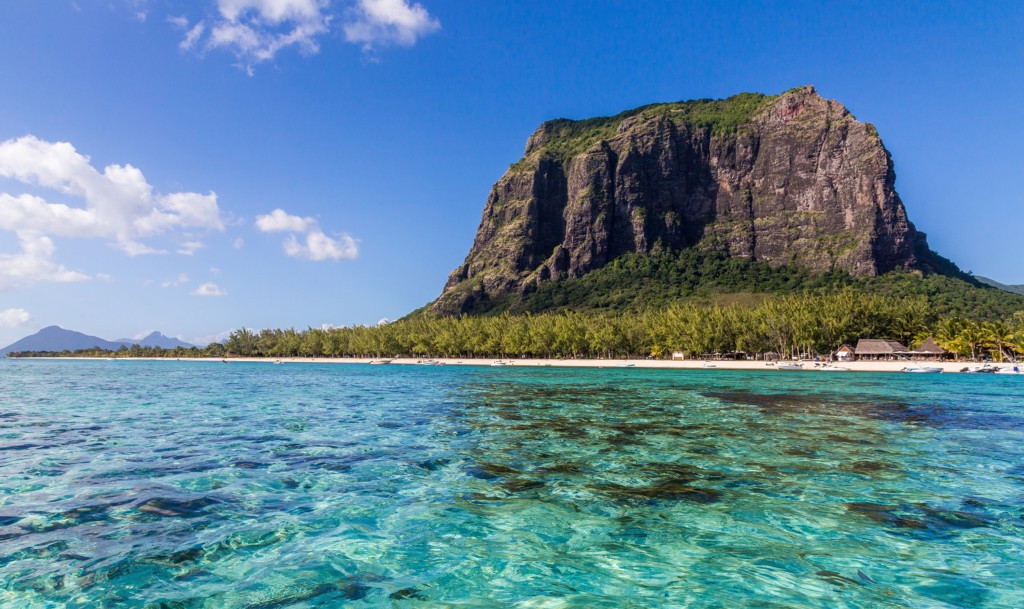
(187, 248)
(315, 244)
(12, 318)
(255, 31)
(116, 204)
(374, 23)
(202, 341)
(180, 280)
(209, 289)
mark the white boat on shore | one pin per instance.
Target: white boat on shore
(793, 366)
(982, 369)
(1013, 370)
(379, 362)
(831, 368)
(500, 363)
(923, 369)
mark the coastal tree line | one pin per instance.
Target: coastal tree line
(788, 326)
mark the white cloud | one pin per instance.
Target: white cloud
(315, 245)
(215, 270)
(318, 246)
(209, 289)
(238, 243)
(192, 36)
(255, 31)
(34, 263)
(175, 282)
(202, 341)
(104, 277)
(279, 221)
(188, 248)
(374, 23)
(12, 318)
(117, 204)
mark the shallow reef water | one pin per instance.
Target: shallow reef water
(181, 485)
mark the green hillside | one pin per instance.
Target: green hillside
(636, 282)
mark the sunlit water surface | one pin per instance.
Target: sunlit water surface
(179, 485)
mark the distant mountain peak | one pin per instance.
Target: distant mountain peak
(56, 338)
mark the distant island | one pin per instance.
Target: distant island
(55, 339)
(748, 225)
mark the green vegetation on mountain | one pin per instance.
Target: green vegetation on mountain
(567, 138)
(635, 282)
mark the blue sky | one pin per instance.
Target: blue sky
(146, 144)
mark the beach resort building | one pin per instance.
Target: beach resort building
(845, 354)
(929, 349)
(878, 349)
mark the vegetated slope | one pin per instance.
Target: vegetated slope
(792, 181)
(636, 282)
(1015, 289)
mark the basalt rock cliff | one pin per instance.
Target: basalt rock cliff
(787, 179)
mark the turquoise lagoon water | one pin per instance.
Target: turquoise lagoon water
(179, 485)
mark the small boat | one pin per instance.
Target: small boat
(626, 365)
(379, 362)
(499, 363)
(789, 366)
(982, 369)
(923, 369)
(1014, 370)
(831, 368)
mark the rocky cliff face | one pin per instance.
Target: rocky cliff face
(793, 178)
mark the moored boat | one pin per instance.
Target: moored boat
(982, 369)
(1014, 370)
(926, 370)
(789, 366)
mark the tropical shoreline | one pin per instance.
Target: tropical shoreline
(736, 365)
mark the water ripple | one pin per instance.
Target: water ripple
(178, 485)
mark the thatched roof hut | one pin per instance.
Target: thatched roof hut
(880, 349)
(929, 348)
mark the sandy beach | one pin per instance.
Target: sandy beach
(808, 366)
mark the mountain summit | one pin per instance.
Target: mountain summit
(786, 179)
(156, 339)
(55, 338)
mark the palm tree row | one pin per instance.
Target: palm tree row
(790, 326)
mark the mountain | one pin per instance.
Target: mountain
(792, 181)
(1013, 289)
(55, 338)
(156, 339)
